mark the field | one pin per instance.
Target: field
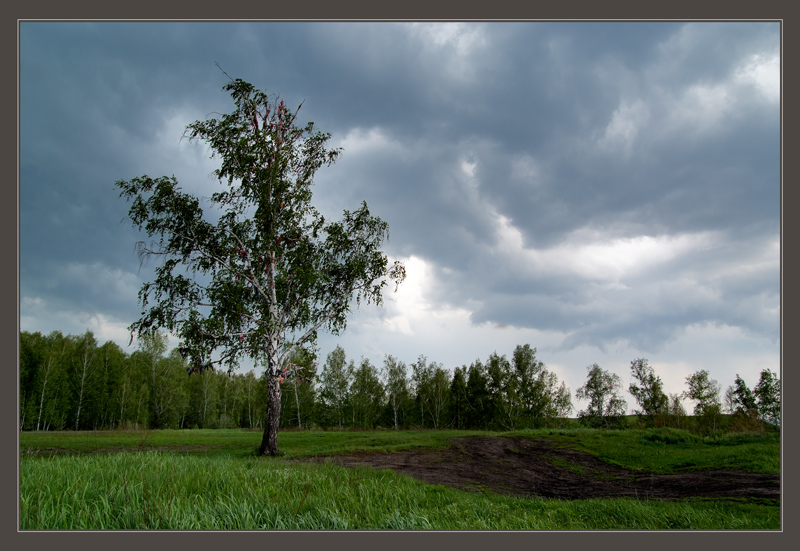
(537, 479)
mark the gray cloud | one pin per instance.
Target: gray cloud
(609, 182)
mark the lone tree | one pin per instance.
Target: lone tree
(270, 272)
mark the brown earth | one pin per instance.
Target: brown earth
(527, 467)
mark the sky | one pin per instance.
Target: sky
(601, 191)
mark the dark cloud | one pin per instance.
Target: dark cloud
(521, 161)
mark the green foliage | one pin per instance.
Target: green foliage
(647, 389)
(768, 397)
(397, 389)
(705, 391)
(335, 387)
(458, 405)
(606, 407)
(367, 395)
(744, 401)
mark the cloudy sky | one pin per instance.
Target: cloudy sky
(600, 191)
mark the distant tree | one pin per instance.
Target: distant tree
(396, 385)
(606, 406)
(31, 360)
(458, 398)
(705, 391)
(84, 367)
(743, 400)
(249, 389)
(558, 399)
(540, 397)
(421, 374)
(50, 381)
(335, 385)
(439, 393)
(299, 392)
(367, 394)
(729, 399)
(504, 391)
(768, 397)
(269, 273)
(647, 389)
(531, 383)
(480, 412)
(112, 361)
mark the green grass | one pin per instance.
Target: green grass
(672, 450)
(157, 490)
(238, 442)
(210, 479)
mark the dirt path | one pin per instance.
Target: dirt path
(527, 467)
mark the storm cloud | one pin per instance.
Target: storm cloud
(603, 191)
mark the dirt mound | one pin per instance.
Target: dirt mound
(527, 467)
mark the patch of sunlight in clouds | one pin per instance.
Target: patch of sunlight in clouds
(763, 72)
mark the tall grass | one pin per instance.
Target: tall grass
(158, 490)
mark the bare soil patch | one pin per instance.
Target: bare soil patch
(528, 467)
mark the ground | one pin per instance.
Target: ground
(529, 467)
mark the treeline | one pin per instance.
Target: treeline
(73, 383)
(748, 410)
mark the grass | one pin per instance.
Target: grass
(210, 479)
(158, 490)
(671, 450)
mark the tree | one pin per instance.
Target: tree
(396, 384)
(531, 382)
(301, 389)
(480, 410)
(153, 346)
(335, 384)
(768, 397)
(421, 374)
(743, 400)
(649, 392)
(84, 368)
(31, 358)
(458, 398)
(51, 375)
(558, 402)
(602, 388)
(367, 394)
(270, 272)
(503, 391)
(438, 393)
(705, 391)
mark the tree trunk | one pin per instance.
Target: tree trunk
(269, 442)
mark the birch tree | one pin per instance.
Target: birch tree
(396, 383)
(86, 348)
(335, 384)
(270, 272)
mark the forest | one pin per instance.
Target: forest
(71, 382)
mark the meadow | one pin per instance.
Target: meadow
(211, 479)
